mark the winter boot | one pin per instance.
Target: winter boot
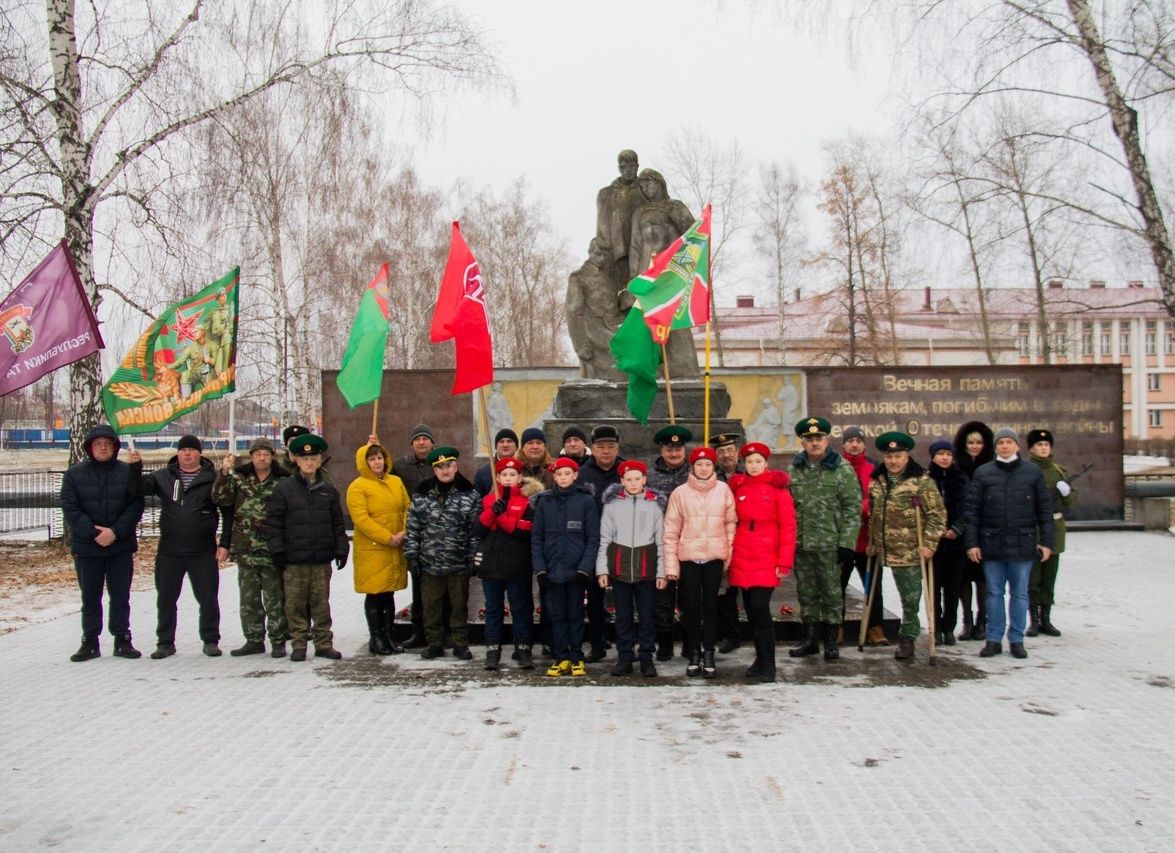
(979, 632)
(648, 669)
(163, 650)
(376, 645)
(211, 649)
(298, 654)
(810, 644)
(664, 645)
(756, 667)
(765, 645)
(623, 667)
(431, 652)
(728, 646)
(694, 668)
(329, 653)
(278, 650)
(417, 640)
(251, 647)
(598, 653)
(462, 652)
(387, 629)
(124, 649)
(87, 650)
(1046, 622)
(709, 668)
(831, 651)
(990, 649)
(905, 649)
(524, 656)
(876, 637)
(493, 657)
(1033, 621)
(1018, 651)
(968, 626)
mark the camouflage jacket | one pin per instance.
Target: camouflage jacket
(439, 538)
(828, 503)
(893, 530)
(248, 499)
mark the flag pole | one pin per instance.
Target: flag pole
(232, 424)
(668, 386)
(485, 430)
(706, 392)
(374, 415)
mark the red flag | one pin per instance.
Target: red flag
(461, 315)
(45, 323)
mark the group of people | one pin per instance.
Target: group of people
(692, 530)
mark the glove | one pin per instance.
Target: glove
(1064, 488)
(339, 563)
(499, 506)
(279, 561)
(845, 555)
(528, 513)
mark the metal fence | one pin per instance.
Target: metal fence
(30, 505)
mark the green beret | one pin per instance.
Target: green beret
(307, 445)
(441, 455)
(674, 436)
(725, 438)
(813, 426)
(889, 441)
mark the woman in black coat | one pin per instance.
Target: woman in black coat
(974, 446)
(950, 559)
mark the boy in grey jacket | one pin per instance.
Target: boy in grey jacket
(630, 558)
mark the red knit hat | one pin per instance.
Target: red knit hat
(564, 462)
(703, 453)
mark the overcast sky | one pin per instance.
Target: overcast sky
(592, 79)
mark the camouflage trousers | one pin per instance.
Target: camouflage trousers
(262, 599)
(308, 584)
(818, 586)
(909, 583)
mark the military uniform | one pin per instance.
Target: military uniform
(828, 517)
(218, 334)
(893, 530)
(259, 582)
(1042, 583)
(664, 479)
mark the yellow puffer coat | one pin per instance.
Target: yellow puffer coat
(379, 508)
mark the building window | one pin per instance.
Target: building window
(1150, 337)
(1061, 339)
(1087, 338)
(1153, 382)
(1169, 343)
(1155, 417)
(1124, 341)
(1022, 340)
(1104, 337)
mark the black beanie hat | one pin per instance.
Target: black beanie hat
(189, 441)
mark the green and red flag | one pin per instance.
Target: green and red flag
(638, 355)
(674, 292)
(361, 373)
(188, 356)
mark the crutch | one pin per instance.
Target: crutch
(927, 576)
(870, 591)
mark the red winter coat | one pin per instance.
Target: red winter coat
(766, 532)
(864, 466)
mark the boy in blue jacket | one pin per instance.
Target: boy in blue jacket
(564, 542)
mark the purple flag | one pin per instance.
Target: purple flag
(46, 323)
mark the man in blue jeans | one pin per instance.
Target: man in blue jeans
(1008, 520)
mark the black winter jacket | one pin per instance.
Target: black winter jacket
(591, 474)
(187, 519)
(304, 522)
(952, 485)
(100, 493)
(1007, 503)
(566, 534)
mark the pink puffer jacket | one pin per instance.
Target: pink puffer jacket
(699, 524)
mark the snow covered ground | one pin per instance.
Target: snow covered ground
(1067, 750)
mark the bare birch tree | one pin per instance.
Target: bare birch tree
(136, 87)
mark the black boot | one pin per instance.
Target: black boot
(417, 640)
(1033, 621)
(493, 657)
(124, 649)
(88, 650)
(665, 645)
(387, 629)
(694, 668)
(905, 649)
(831, 650)
(968, 626)
(810, 644)
(376, 644)
(765, 646)
(524, 656)
(756, 667)
(979, 632)
(1046, 621)
(709, 667)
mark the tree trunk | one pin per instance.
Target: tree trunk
(1125, 123)
(973, 256)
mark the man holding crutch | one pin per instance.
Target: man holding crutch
(898, 491)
